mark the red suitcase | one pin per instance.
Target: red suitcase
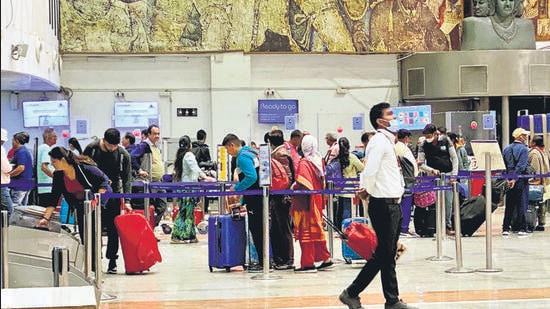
(151, 215)
(138, 242)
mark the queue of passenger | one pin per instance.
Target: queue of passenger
(292, 217)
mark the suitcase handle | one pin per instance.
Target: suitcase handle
(335, 228)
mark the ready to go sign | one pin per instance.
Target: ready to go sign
(274, 111)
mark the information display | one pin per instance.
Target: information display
(45, 113)
(136, 114)
(274, 111)
(413, 117)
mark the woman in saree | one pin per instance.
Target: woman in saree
(307, 210)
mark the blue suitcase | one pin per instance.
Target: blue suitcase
(226, 242)
(347, 252)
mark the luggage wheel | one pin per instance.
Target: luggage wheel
(348, 261)
(210, 267)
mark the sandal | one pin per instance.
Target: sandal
(400, 250)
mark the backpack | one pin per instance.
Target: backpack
(333, 170)
(279, 177)
(407, 169)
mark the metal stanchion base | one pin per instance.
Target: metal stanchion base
(489, 270)
(461, 270)
(105, 296)
(266, 277)
(439, 258)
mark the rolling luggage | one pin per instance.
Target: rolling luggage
(151, 218)
(226, 241)
(424, 220)
(347, 252)
(472, 214)
(29, 216)
(138, 243)
(359, 236)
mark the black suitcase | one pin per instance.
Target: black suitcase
(531, 215)
(472, 214)
(424, 221)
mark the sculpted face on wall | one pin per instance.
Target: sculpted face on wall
(484, 8)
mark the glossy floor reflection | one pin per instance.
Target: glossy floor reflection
(183, 279)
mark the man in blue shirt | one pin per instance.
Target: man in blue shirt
(515, 158)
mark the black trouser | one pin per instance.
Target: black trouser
(516, 206)
(108, 215)
(254, 207)
(386, 220)
(281, 233)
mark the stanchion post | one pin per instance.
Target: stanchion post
(146, 202)
(60, 266)
(458, 236)
(4, 245)
(98, 239)
(88, 238)
(440, 221)
(265, 218)
(330, 213)
(488, 219)
(221, 200)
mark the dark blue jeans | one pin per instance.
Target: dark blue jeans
(386, 220)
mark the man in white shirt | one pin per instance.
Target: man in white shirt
(384, 183)
(333, 149)
(44, 170)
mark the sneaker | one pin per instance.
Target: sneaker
(351, 302)
(505, 233)
(522, 233)
(256, 268)
(112, 267)
(399, 305)
(304, 270)
(326, 266)
(284, 267)
(539, 228)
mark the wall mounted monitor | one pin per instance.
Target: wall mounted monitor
(413, 117)
(45, 113)
(136, 114)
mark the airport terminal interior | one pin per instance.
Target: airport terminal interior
(517, 275)
(430, 275)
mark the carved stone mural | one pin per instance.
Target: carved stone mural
(335, 26)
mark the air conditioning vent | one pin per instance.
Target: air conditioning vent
(538, 78)
(473, 79)
(416, 82)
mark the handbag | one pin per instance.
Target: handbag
(424, 199)
(536, 193)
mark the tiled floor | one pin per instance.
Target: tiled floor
(183, 279)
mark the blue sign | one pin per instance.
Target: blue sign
(274, 111)
(488, 122)
(413, 117)
(290, 123)
(357, 123)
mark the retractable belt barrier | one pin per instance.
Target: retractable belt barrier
(341, 186)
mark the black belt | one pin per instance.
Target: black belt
(388, 200)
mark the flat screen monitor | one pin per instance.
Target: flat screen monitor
(413, 117)
(136, 114)
(274, 111)
(45, 113)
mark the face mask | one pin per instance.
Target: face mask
(393, 126)
(430, 140)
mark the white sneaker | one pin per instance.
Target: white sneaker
(522, 233)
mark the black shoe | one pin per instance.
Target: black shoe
(256, 268)
(351, 302)
(399, 305)
(326, 266)
(112, 267)
(539, 228)
(305, 270)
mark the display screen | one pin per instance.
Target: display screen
(413, 117)
(136, 114)
(45, 113)
(274, 111)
